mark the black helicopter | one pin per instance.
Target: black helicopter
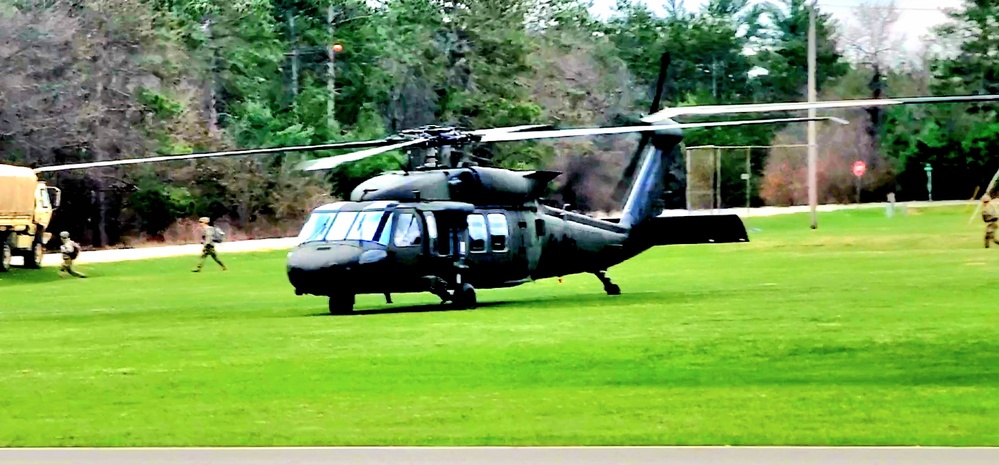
(449, 227)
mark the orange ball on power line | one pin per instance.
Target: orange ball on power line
(337, 48)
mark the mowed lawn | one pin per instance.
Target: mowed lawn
(867, 331)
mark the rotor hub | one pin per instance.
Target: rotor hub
(437, 136)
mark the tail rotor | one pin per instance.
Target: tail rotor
(629, 171)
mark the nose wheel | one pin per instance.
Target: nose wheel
(341, 304)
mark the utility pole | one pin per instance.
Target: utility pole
(213, 114)
(714, 78)
(813, 149)
(294, 54)
(331, 74)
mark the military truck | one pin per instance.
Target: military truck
(26, 206)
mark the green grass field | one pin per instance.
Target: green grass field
(868, 331)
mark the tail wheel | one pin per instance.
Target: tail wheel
(6, 252)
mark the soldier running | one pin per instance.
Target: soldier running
(70, 250)
(208, 243)
(991, 220)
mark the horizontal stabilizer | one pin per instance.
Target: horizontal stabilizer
(544, 176)
(698, 229)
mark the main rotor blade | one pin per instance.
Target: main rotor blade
(230, 153)
(483, 132)
(670, 113)
(505, 137)
(331, 162)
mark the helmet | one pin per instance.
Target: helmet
(64, 235)
(203, 220)
(986, 198)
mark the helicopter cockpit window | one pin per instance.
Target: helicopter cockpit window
(341, 225)
(477, 233)
(408, 232)
(315, 227)
(498, 231)
(365, 226)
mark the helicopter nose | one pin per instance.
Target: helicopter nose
(318, 269)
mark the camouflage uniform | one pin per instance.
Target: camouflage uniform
(208, 247)
(991, 220)
(69, 251)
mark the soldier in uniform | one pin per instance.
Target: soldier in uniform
(991, 220)
(208, 250)
(70, 250)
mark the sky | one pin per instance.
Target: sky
(916, 18)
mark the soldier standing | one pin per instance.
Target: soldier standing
(70, 250)
(991, 220)
(208, 245)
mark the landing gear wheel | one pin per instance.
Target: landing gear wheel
(612, 289)
(6, 252)
(464, 297)
(33, 259)
(341, 304)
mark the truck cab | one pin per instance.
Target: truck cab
(26, 208)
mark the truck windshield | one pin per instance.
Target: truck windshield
(339, 226)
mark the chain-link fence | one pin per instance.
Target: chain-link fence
(730, 176)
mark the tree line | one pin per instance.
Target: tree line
(87, 80)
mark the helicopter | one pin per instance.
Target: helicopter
(448, 226)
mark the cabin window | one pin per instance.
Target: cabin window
(315, 227)
(341, 225)
(477, 233)
(365, 226)
(440, 240)
(498, 231)
(408, 232)
(539, 227)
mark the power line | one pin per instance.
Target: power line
(874, 7)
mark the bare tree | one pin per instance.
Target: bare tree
(871, 37)
(871, 40)
(785, 174)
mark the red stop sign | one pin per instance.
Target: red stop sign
(858, 168)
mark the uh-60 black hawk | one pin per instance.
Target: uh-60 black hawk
(449, 227)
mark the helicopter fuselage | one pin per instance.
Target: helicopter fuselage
(407, 247)
(381, 247)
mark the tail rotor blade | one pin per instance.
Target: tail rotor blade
(629, 171)
(664, 62)
(334, 161)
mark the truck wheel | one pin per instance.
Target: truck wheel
(33, 259)
(6, 252)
